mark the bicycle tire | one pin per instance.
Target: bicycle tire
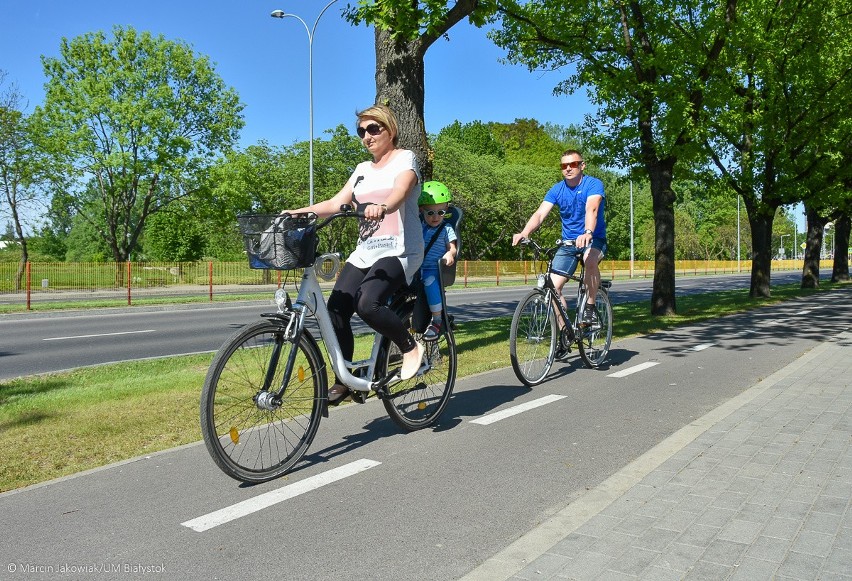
(248, 443)
(594, 342)
(418, 402)
(532, 338)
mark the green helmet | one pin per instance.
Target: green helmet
(434, 193)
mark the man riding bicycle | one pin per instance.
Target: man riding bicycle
(581, 201)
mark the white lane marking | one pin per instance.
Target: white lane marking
(99, 335)
(634, 369)
(267, 499)
(702, 347)
(514, 410)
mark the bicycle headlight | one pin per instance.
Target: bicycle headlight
(281, 298)
(540, 283)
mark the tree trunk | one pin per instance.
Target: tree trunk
(840, 270)
(813, 246)
(663, 294)
(400, 84)
(760, 220)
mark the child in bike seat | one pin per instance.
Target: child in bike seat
(440, 242)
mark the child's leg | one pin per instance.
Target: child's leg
(431, 284)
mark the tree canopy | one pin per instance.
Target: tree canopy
(133, 121)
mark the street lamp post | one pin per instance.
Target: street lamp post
(828, 248)
(310, 32)
(783, 253)
(738, 234)
(795, 241)
(631, 228)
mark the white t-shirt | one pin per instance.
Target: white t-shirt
(399, 234)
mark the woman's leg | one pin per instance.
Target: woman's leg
(341, 307)
(381, 281)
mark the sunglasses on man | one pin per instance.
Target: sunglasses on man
(372, 129)
(571, 164)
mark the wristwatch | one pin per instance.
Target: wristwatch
(587, 231)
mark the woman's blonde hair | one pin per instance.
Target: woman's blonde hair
(384, 116)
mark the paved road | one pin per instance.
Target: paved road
(42, 342)
(370, 502)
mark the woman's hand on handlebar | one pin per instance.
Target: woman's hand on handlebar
(519, 239)
(374, 212)
(288, 214)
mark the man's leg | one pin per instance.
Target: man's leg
(559, 282)
(592, 278)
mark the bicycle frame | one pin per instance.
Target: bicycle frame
(310, 301)
(546, 282)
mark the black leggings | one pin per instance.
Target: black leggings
(367, 292)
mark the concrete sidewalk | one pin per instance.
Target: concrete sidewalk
(759, 488)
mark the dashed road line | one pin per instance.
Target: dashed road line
(701, 347)
(634, 369)
(252, 505)
(99, 335)
(515, 410)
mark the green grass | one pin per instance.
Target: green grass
(59, 424)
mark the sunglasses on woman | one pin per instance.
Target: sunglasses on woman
(372, 129)
(571, 164)
(438, 212)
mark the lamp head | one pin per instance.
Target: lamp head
(277, 14)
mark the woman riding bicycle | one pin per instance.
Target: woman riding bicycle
(390, 242)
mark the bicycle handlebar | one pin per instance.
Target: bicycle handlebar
(540, 249)
(346, 211)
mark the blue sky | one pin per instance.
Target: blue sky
(266, 60)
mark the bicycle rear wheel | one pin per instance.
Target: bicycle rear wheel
(594, 341)
(419, 402)
(532, 337)
(251, 436)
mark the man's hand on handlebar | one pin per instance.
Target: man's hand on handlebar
(518, 239)
(584, 240)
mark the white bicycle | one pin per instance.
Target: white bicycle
(267, 387)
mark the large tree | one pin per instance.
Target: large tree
(779, 119)
(648, 64)
(404, 31)
(137, 119)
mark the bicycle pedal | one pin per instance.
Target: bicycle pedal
(359, 396)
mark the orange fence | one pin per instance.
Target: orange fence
(124, 283)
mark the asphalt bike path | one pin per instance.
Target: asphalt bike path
(371, 502)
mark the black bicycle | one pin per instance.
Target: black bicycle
(542, 327)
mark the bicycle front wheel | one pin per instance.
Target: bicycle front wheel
(594, 341)
(532, 337)
(251, 435)
(419, 402)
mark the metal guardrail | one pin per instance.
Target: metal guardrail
(127, 282)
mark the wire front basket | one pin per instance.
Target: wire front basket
(276, 242)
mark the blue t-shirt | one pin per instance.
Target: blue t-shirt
(439, 247)
(572, 206)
